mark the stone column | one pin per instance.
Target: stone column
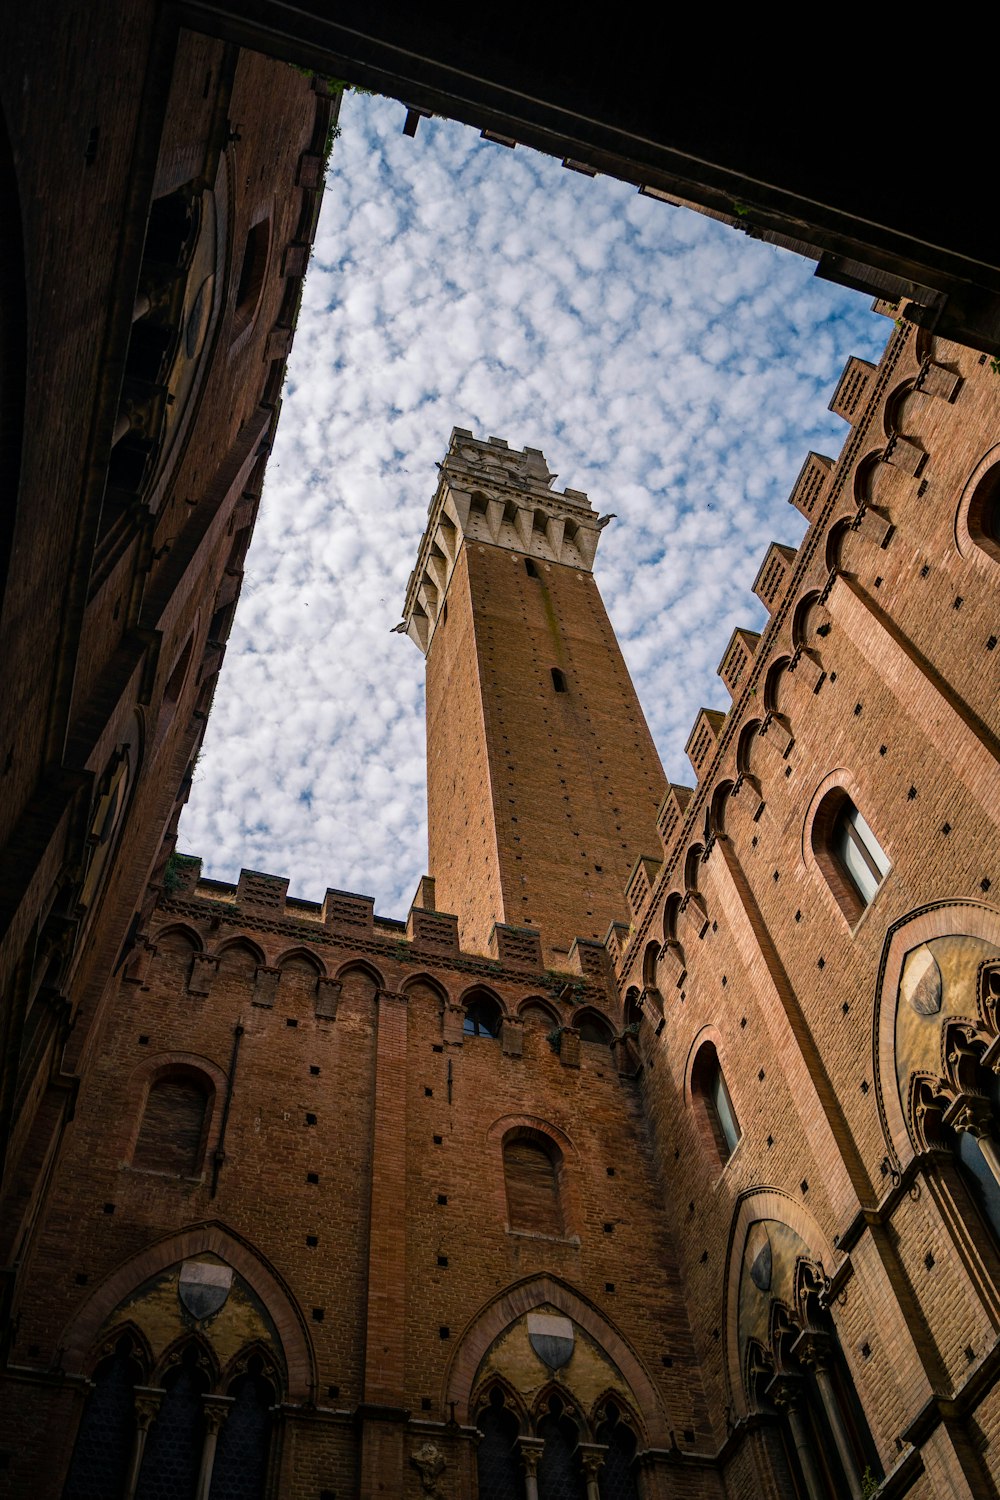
(974, 1115)
(813, 1349)
(592, 1458)
(147, 1407)
(786, 1393)
(217, 1409)
(531, 1452)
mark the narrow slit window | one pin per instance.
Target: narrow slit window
(859, 852)
(530, 568)
(558, 679)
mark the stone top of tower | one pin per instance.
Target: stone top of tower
(499, 496)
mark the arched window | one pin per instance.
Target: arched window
(172, 1456)
(252, 271)
(848, 853)
(172, 1134)
(482, 1017)
(718, 1120)
(615, 1478)
(559, 1475)
(594, 1028)
(106, 1436)
(240, 1468)
(537, 1014)
(497, 1462)
(984, 513)
(531, 1173)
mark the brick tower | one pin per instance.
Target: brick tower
(542, 777)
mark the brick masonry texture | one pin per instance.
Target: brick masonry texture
(803, 1310)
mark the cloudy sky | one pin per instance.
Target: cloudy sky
(671, 367)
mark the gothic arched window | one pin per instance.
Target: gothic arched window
(172, 1457)
(172, 1134)
(531, 1173)
(497, 1464)
(240, 1468)
(615, 1479)
(106, 1436)
(482, 1017)
(984, 513)
(559, 1473)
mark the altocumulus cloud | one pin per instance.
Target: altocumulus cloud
(672, 368)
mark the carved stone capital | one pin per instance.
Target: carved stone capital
(531, 1452)
(147, 1405)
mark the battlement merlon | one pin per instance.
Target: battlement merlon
(501, 497)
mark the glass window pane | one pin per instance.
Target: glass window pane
(724, 1112)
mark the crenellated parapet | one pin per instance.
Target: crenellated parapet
(501, 497)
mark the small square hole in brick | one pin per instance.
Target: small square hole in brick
(317, 1314)
(866, 1350)
(609, 1229)
(911, 794)
(442, 1260)
(437, 1047)
(313, 1070)
(444, 1331)
(985, 883)
(883, 749)
(991, 643)
(844, 1008)
(929, 1260)
(291, 1020)
(798, 916)
(667, 1361)
(864, 1085)
(428, 1093)
(703, 1257)
(857, 710)
(81, 1278)
(312, 1177)
(821, 963)
(310, 1119)
(743, 1023)
(144, 1041)
(761, 1076)
(776, 876)
(688, 1435)
(946, 829)
(770, 1142)
(442, 1198)
(609, 1286)
(970, 1353)
(109, 1208)
(312, 1240)
(611, 1171)
(333, 1391)
(425, 1403)
(328, 1495)
(439, 1140)
(804, 1184)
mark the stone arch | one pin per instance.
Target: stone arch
(360, 966)
(671, 911)
(237, 1366)
(748, 737)
(692, 867)
(815, 858)
(719, 806)
(534, 1006)
(425, 981)
(81, 1333)
(571, 1407)
(897, 413)
(835, 539)
(485, 992)
(127, 1328)
(302, 956)
(554, 1140)
(163, 1065)
(650, 959)
(865, 477)
(970, 539)
(959, 917)
(597, 1018)
(772, 683)
(480, 1396)
(801, 615)
(509, 1305)
(240, 954)
(752, 1205)
(172, 1355)
(178, 937)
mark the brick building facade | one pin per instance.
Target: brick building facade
(655, 1154)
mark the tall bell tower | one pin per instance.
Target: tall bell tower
(542, 778)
